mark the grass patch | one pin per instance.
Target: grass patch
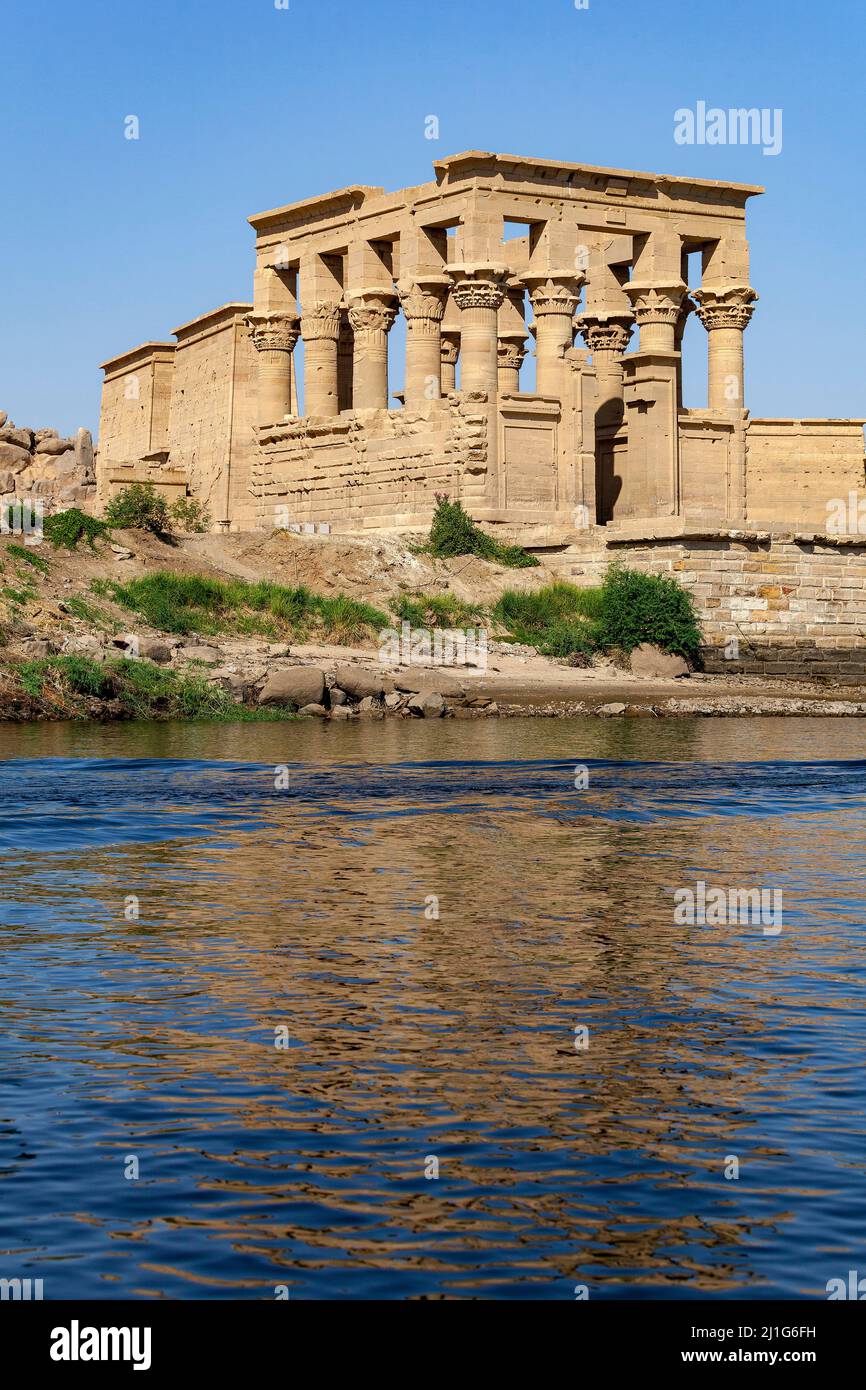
(23, 552)
(558, 620)
(88, 612)
(142, 689)
(183, 604)
(453, 532)
(67, 529)
(437, 611)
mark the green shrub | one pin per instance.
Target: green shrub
(68, 528)
(653, 608)
(453, 532)
(190, 515)
(139, 507)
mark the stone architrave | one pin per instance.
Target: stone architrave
(320, 330)
(274, 337)
(371, 313)
(725, 311)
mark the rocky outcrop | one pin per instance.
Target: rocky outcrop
(42, 464)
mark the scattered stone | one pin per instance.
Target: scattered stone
(152, 649)
(610, 710)
(341, 712)
(121, 554)
(338, 696)
(209, 655)
(300, 685)
(279, 649)
(393, 700)
(314, 711)
(22, 438)
(648, 660)
(53, 445)
(429, 704)
(13, 456)
(359, 682)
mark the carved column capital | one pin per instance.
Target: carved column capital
(511, 352)
(450, 348)
(605, 332)
(725, 306)
(656, 304)
(555, 293)
(478, 286)
(423, 300)
(273, 332)
(321, 321)
(372, 311)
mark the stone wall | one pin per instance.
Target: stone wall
(795, 468)
(379, 468)
(136, 403)
(784, 604)
(39, 463)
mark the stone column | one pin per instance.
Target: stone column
(686, 309)
(479, 291)
(511, 351)
(423, 303)
(656, 309)
(607, 336)
(371, 313)
(554, 298)
(725, 311)
(274, 337)
(320, 329)
(450, 351)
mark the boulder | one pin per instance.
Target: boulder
(7, 483)
(417, 682)
(358, 682)
(3, 418)
(279, 649)
(314, 711)
(23, 438)
(209, 655)
(152, 649)
(45, 434)
(647, 660)
(610, 710)
(341, 712)
(338, 696)
(429, 704)
(65, 464)
(53, 445)
(299, 686)
(13, 456)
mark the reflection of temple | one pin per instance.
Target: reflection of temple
(603, 435)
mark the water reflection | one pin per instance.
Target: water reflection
(412, 1036)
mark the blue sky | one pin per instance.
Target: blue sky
(107, 242)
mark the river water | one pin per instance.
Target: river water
(260, 983)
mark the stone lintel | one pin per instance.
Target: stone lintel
(213, 319)
(308, 209)
(144, 352)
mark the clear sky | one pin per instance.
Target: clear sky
(107, 242)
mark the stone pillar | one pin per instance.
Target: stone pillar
(423, 302)
(450, 351)
(320, 329)
(686, 308)
(607, 336)
(274, 337)
(479, 291)
(554, 298)
(345, 361)
(371, 313)
(511, 352)
(725, 311)
(657, 309)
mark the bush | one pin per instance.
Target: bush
(638, 607)
(453, 532)
(190, 515)
(69, 527)
(139, 507)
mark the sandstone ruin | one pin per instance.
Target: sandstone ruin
(278, 412)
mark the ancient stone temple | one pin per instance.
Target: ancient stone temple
(280, 411)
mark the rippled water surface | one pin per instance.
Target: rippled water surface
(305, 913)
